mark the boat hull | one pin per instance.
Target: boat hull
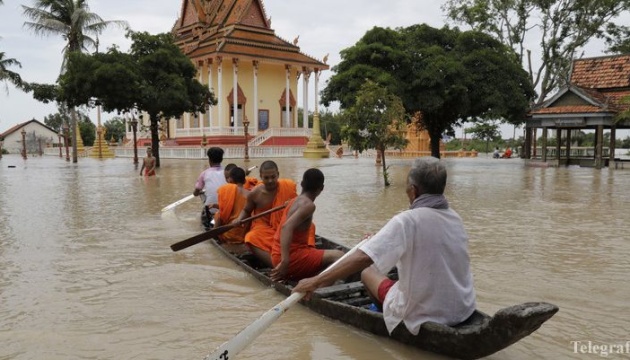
(479, 336)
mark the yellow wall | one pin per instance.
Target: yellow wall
(271, 85)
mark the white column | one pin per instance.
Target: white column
(307, 75)
(201, 115)
(255, 124)
(295, 112)
(220, 96)
(235, 90)
(210, 117)
(287, 105)
(316, 92)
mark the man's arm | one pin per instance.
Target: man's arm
(351, 265)
(142, 167)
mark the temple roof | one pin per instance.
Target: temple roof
(237, 29)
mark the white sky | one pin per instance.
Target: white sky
(324, 27)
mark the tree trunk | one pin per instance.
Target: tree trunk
(155, 138)
(435, 145)
(73, 121)
(385, 174)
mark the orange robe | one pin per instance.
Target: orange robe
(304, 260)
(231, 203)
(251, 182)
(263, 229)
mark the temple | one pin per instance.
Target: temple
(253, 73)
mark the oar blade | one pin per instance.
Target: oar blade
(201, 237)
(232, 347)
(177, 203)
(245, 337)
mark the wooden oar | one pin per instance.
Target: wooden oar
(220, 230)
(232, 347)
(177, 203)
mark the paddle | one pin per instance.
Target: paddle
(178, 202)
(181, 201)
(219, 230)
(232, 347)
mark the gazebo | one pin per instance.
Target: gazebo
(593, 99)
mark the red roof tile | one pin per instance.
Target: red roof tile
(602, 72)
(568, 109)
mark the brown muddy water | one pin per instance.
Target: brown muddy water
(86, 271)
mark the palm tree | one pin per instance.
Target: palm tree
(7, 75)
(73, 21)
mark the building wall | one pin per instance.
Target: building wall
(13, 142)
(271, 85)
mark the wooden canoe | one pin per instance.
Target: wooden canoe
(479, 336)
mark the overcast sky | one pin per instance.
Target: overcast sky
(324, 27)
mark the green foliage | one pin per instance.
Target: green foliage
(73, 21)
(329, 124)
(154, 77)
(378, 56)
(375, 121)
(55, 121)
(115, 128)
(485, 131)
(447, 75)
(8, 76)
(87, 130)
(561, 28)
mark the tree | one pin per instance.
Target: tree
(562, 28)
(375, 121)
(115, 128)
(154, 77)
(378, 56)
(449, 77)
(55, 121)
(486, 131)
(7, 75)
(463, 76)
(73, 21)
(87, 130)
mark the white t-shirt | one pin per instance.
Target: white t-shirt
(210, 180)
(430, 249)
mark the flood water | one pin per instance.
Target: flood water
(86, 271)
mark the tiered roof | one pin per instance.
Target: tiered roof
(603, 83)
(235, 28)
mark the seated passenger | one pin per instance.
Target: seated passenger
(291, 255)
(273, 193)
(428, 245)
(508, 153)
(231, 200)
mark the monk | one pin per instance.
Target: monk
(273, 193)
(250, 181)
(148, 164)
(291, 255)
(232, 198)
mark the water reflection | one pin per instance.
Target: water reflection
(86, 271)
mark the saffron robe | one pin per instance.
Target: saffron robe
(231, 203)
(251, 182)
(304, 260)
(264, 229)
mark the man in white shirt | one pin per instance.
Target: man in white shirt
(209, 182)
(429, 247)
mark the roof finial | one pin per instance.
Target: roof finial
(295, 41)
(325, 59)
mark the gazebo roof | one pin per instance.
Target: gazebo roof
(238, 29)
(597, 86)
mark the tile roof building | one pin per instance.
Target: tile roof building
(597, 93)
(252, 72)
